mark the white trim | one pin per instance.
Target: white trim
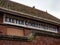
(4, 17)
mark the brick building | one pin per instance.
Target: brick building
(23, 25)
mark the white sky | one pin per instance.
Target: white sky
(52, 6)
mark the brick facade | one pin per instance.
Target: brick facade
(13, 34)
(3, 29)
(42, 40)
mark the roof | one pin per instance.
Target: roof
(28, 10)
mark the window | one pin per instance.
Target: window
(12, 20)
(39, 25)
(34, 24)
(7, 19)
(26, 22)
(42, 26)
(21, 22)
(17, 21)
(46, 27)
(52, 28)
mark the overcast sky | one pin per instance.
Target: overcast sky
(52, 6)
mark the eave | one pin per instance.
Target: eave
(28, 16)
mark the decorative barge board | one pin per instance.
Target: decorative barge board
(27, 26)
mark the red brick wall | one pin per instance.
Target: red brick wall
(40, 41)
(3, 29)
(27, 31)
(1, 18)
